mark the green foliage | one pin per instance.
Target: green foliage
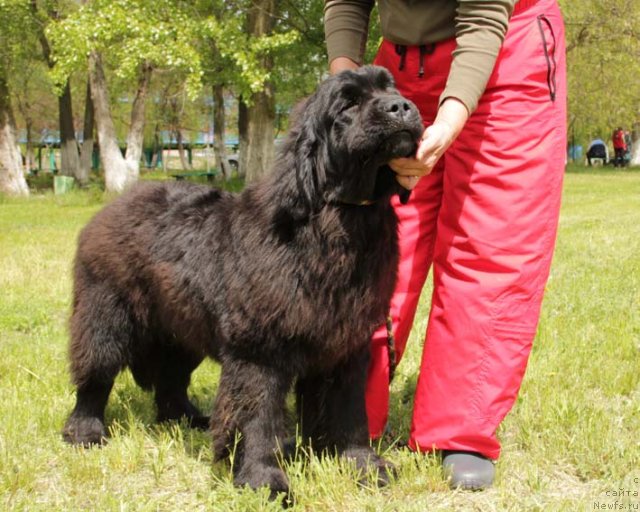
(129, 33)
(603, 41)
(22, 66)
(298, 70)
(16, 35)
(198, 42)
(182, 37)
(245, 52)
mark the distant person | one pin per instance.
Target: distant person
(597, 150)
(619, 147)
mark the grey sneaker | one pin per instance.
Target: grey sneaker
(469, 471)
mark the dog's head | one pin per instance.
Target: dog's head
(346, 134)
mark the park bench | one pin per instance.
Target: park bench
(196, 174)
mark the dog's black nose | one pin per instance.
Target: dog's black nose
(397, 107)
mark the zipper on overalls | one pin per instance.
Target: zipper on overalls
(402, 51)
(549, 56)
(425, 49)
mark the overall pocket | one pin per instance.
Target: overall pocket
(549, 46)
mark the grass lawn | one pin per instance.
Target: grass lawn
(572, 441)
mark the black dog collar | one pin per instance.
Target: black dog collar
(364, 202)
(344, 201)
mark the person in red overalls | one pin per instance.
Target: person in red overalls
(619, 147)
(489, 79)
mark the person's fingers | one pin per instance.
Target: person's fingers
(435, 140)
(408, 167)
(408, 182)
(428, 144)
(426, 148)
(408, 171)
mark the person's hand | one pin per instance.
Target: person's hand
(435, 140)
(340, 64)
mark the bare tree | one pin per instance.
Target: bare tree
(12, 180)
(117, 176)
(120, 171)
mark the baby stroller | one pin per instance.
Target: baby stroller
(597, 152)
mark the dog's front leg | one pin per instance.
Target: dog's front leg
(331, 408)
(251, 402)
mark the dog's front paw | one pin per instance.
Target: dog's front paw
(259, 475)
(367, 461)
(84, 431)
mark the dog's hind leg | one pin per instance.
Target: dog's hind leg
(251, 402)
(101, 330)
(331, 408)
(173, 376)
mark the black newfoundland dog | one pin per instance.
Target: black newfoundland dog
(282, 284)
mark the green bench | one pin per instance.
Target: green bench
(195, 174)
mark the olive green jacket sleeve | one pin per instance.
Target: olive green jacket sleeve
(479, 27)
(346, 27)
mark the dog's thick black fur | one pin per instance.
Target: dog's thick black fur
(284, 283)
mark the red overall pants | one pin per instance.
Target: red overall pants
(486, 219)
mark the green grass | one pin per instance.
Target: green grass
(573, 435)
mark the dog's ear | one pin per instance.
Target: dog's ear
(310, 155)
(305, 156)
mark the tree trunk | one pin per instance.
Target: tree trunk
(157, 147)
(116, 172)
(219, 148)
(260, 133)
(635, 144)
(30, 159)
(24, 107)
(261, 112)
(12, 180)
(86, 149)
(69, 158)
(135, 138)
(243, 137)
(181, 153)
